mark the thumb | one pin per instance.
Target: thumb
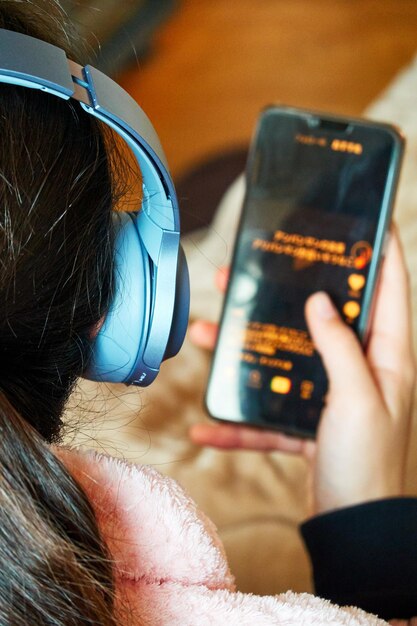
(339, 348)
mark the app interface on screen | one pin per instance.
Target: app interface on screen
(309, 224)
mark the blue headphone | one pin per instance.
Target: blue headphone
(148, 317)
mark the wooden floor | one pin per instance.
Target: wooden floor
(215, 63)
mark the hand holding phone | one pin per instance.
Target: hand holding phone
(318, 205)
(364, 432)
(361, 447)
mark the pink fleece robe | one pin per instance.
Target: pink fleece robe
(170, 565)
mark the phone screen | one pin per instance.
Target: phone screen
(314, 218)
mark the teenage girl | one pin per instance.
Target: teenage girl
(60, 561)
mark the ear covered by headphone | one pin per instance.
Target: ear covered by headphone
(148, 317)
(122, 351)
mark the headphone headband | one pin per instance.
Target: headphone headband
(29, 62)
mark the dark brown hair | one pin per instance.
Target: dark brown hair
(56, 251)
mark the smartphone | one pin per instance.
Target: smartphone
(316, 215)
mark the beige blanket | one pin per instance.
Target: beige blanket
(256, 500)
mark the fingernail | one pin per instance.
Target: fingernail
(323, 306)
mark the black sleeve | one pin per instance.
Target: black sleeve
(366, 556)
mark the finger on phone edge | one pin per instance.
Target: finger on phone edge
(222, 278)
(229, 436)
(391, 324)
(203, 334)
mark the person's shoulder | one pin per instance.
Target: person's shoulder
(153, 529)
(169, 561)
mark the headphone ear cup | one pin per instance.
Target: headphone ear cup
(120, 339)
(181, 307)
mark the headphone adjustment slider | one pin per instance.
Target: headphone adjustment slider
(81, 86)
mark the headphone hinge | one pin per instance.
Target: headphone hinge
(81, 86)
